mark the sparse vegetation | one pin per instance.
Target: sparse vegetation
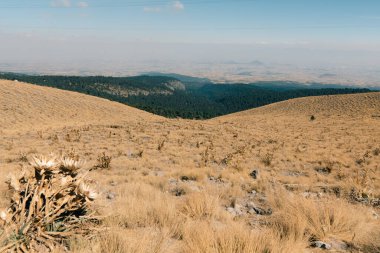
(200, 194)
(104, 161)
(267, 159)
(73, 135)
(49, 203)
(23, 157)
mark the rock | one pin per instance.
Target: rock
(216, 180)
(172, 181)
(185, 178)
(261, 211)
(159, 173)
(231, 210)
(375, 215)
(110, 195)
(321, 245)
(253, 209)
(252, 194)
(194, 187)
(237, 210)
(294, 173)
(310, 195)
(113, 183)
(323, 170)
(339, 245)
(250, 204)
(255, 174)
(302, 148)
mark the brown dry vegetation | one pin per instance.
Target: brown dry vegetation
(184, 186)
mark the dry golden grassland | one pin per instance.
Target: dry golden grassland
(172, 185)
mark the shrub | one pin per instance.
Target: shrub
(104, 161)
(49, 202)
(73, 136)
(267, 159)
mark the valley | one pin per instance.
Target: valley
(179, 96)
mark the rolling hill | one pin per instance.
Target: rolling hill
(362, 105)
(263, 180)
(26, 106)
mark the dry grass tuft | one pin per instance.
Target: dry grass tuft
(202, 236)
(104, 161)
(201, 205)
(298, 219)
(49, 203)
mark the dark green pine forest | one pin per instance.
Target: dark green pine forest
(181, 96)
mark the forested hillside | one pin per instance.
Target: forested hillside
(182, 96)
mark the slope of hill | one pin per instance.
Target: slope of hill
(366, 104)
(26, 106)
(264, 180)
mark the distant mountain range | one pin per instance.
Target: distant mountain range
(174, 95)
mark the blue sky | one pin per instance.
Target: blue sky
(345, 26)
(348, 22)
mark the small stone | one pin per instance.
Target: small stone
(110, 195)
(238, 209)
(250, 205)
(173, 181)
(232, 211)
(185, 178)
(262, 211)
(254, 174)
(253, 193)
(375, 215)
(338, 245)
(321, 245)
(113, 183)
(159, 173)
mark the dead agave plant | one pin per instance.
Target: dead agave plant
(49, 203)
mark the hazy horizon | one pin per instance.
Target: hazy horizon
(325, 41)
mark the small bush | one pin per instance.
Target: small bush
(49, 203)
(267, 159)
(104, 161)
(161, 145)
(23, 157)
(73, 136)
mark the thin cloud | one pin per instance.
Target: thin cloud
(174, 5)
(178, 6)
(61, 3)
(82, 4)
(152, 9)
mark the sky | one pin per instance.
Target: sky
(315, 33)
